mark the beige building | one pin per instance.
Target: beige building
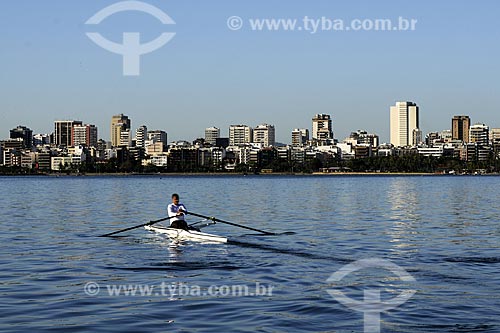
(404, 122)
(495, 134)
(264, 134)
(460, 128)
(155, 148)
(84, 135)
(479, 133)
(158, 136)
(119, 123)
(300, 136)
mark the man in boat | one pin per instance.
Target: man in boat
(176, 211)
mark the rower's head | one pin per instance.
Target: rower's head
(175, 198)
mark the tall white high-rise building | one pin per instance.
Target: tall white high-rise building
(211, 135)
(264, 134)
(300, 136)
(322, 127)
(404, 121)
(240, 134)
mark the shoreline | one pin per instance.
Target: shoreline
(225, 174)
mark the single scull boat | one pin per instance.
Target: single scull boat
(181, 234)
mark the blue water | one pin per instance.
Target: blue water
(443, 231)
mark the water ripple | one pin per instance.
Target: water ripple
(441, 230)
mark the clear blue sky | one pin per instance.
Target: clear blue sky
(208, 75)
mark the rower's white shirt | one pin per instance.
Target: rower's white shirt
(173, 210)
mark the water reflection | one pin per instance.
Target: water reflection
(402, 196)
(404, 215)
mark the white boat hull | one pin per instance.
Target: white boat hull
(181, 234)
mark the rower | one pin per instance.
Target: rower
(176, 211)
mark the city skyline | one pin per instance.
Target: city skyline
(74, 146)
(214, 76)
(324, 119)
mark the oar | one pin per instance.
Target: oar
(231, 223)
(137, 226)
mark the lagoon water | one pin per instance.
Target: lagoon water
(443, 231)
